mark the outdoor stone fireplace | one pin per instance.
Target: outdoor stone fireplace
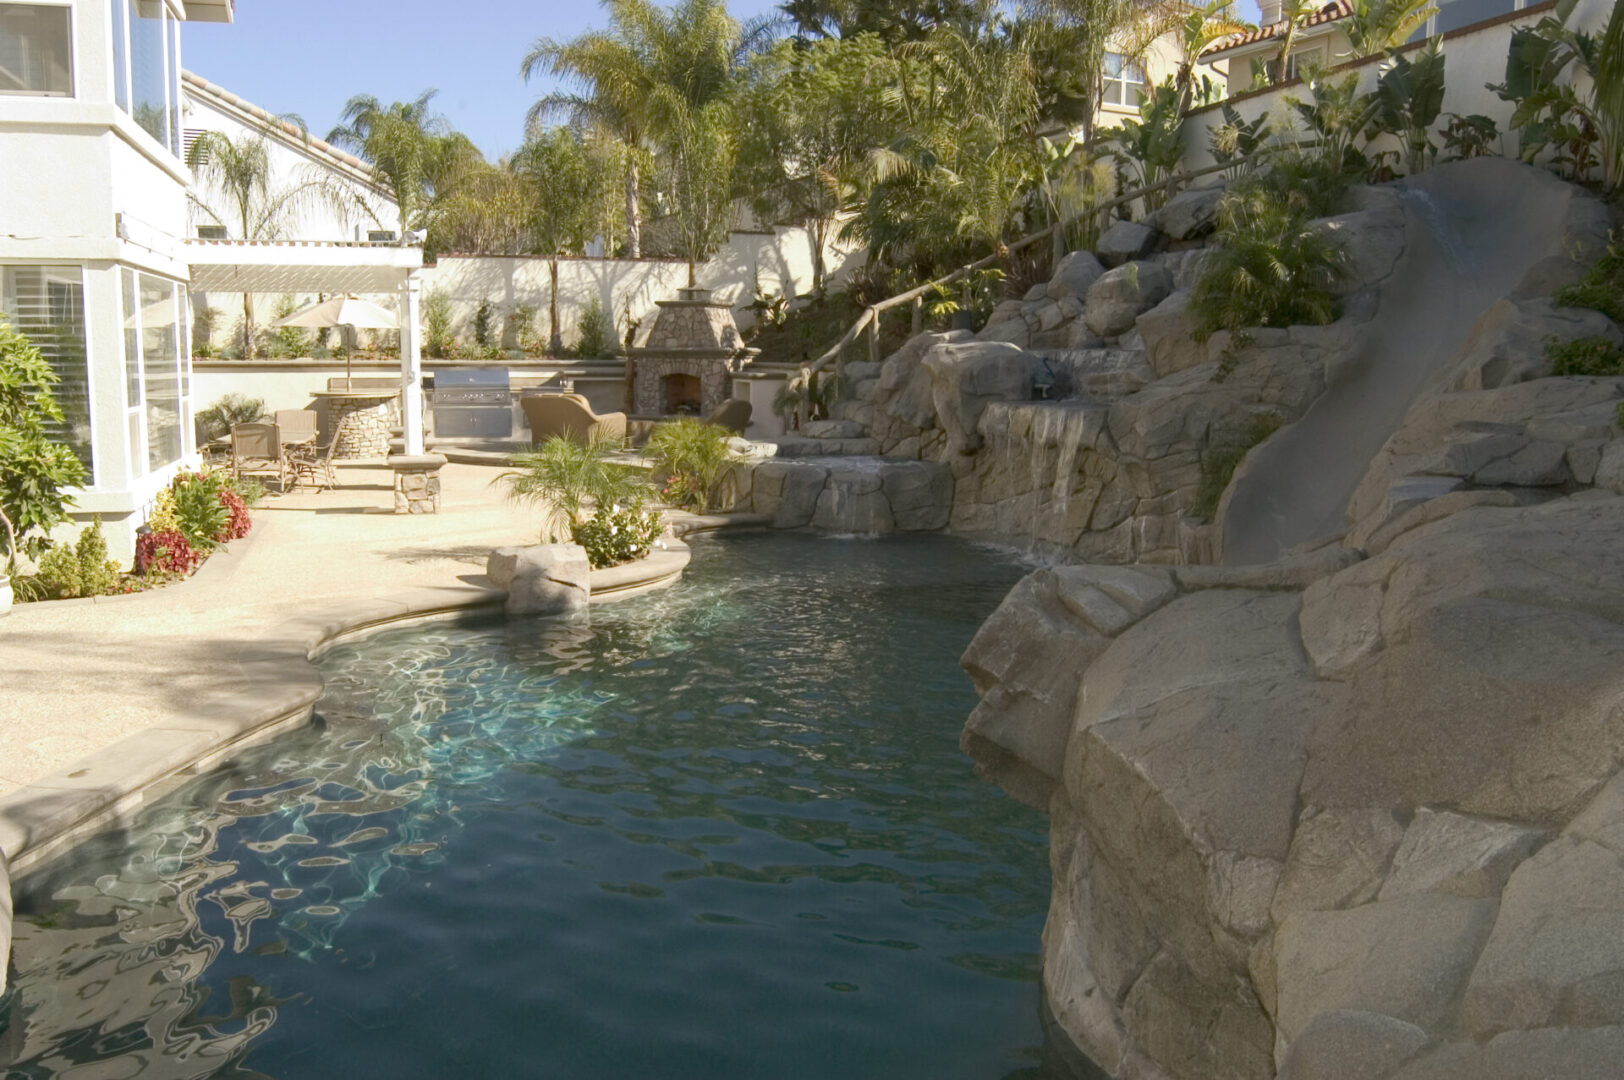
(687, 363)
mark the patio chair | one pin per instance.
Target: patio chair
(569, 415)
(297, 426)
(256, 450)
(316, 462)
(733, 415)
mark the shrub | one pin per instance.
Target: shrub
(35, 472)
(616, 534)
(165, 554)
(1585, 356)
(1602, 287)
(596, 337)
(81, 570)
(1218, 466)
(437, 323)
(199, 514)
(564, 477)
(696, 456)
(1269, 265)
(238, 521)
(288, 341)
(232, 409)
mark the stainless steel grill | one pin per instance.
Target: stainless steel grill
(473, 403)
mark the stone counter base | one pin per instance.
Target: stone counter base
(417, 482)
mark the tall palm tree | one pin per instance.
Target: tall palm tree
(642, 77)
(1374, 26)
(404, 143)
(238, 172)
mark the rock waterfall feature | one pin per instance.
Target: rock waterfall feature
(1350, 805)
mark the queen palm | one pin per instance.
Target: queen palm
(1374, 26)
(405, 143)
(643, 79)
(1199, 28)
(251, 203)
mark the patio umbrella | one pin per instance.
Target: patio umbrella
(342, 311)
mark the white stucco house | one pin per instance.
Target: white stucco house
(99, 247)
(92, 215)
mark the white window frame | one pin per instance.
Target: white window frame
(1121, 82)
(73, 52)
(172, 68)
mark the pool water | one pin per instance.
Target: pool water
(719, 831)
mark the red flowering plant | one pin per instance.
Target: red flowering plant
(238, 522)
(166, 553)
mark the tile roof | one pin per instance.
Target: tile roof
(1337, 9)
(279, 126)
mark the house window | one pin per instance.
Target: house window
(1124, 81)
(161, 368)
(380, 236)
(36, 50)
(47, 304)
(146, 41)
(211, 232)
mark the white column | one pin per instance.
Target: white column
(411, 362)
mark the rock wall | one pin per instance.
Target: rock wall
(1079, 422)
(1356, 813)
(846, 495)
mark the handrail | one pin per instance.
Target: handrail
(871, 313)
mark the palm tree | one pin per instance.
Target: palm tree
(641, 78)
(405, 144)
(1199, 28)
(1374, 26)
(1098, 25)
(239, 173)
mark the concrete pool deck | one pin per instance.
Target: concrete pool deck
(102, 698)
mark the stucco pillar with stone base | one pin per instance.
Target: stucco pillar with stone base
(417, 482)
(411, 368)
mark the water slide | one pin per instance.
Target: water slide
(1472, 230)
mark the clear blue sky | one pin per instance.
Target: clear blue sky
(310, 56)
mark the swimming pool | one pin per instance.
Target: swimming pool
(719, 831)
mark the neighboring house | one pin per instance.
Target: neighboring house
(1321, 40)
(1125, 79)
(92, 215)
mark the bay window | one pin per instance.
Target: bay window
(36, 50)
(146, 67)
(47, 304)
(155, 371)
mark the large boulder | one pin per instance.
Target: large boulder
(920, 494)
(546, 579)
(1076, 272)
(1168, 331)
(1124, 242)
(904, 389)
(1375, 238)
(788, 490)
(1507, 344)
(1120, 295)
(1190, 214)
(852, 501)
(967, 377)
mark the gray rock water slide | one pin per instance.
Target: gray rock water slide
(1473, 229)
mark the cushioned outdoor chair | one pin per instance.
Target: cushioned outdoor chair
(569, 415)
(256, 450)
(297, 426)
(733, 415)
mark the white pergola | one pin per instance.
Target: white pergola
(277, 266)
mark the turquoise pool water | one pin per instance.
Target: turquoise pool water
(720, 831)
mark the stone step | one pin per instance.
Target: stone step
(794, 446)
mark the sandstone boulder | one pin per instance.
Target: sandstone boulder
(788, 490)
(1072, 278)
(1452, 853)
(1345, 1044)
(1120, 295)
(920, 494)
(1568, 1053)
(1168, 331)
(1508, 341)
(1124, 242)
(904, 391)
(1190, 214)
(852, 502)
(966, 378)
(546, 579)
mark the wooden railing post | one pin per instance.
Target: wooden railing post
(874, 340)
(918, 315)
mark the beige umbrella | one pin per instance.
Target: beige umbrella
(343, 311)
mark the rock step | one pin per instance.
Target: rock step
(795, 446)
(858, 494)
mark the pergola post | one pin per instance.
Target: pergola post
(411, 363)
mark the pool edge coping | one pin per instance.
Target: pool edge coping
(274, 686)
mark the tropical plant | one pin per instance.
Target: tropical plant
(237, 173)
(1294, 14)
(565, 477)
(1269, 265)
(1409, 99)
(810, 115)
(1235, 140)
(1602, 287)
(82, 569)
(1199, 27)
(199, 513)
(1153, 146)
(595, 338)
(891, 21)
(35, 472)
(404, 144)
(617, 534)
(695, 457)
(562, 192)
(1586, 130)
(289, 341)
(229, 411)
(1375, 26)
(1469, 136)
(165, 554)
(703, 153)
(1103, 25)
(1337, 115)
(1585, 356)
